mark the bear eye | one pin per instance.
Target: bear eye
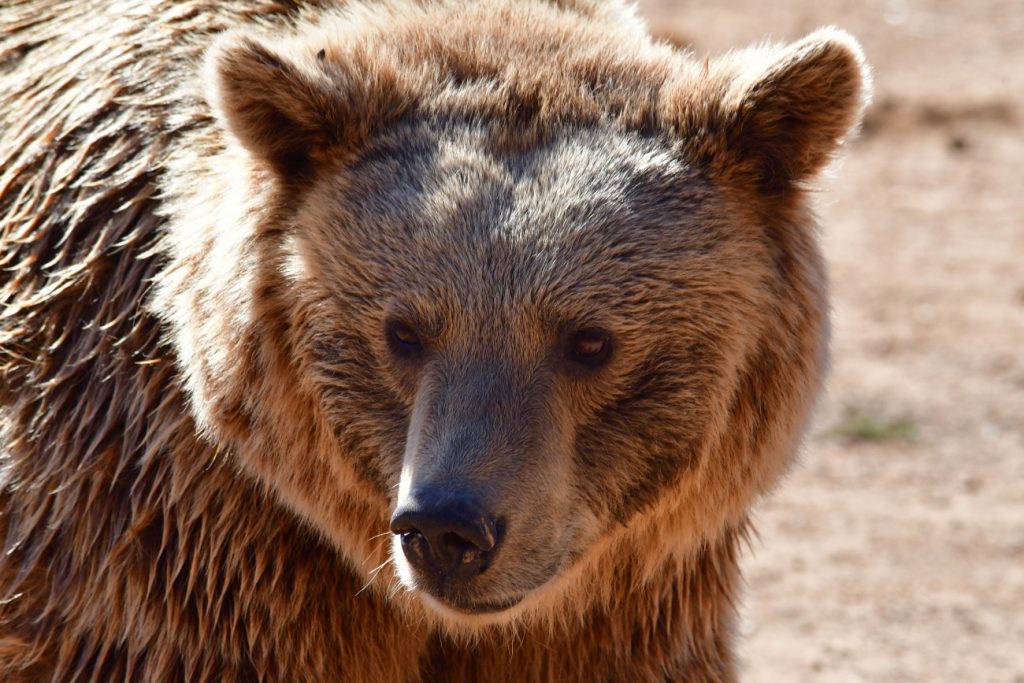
(403, 339)
(590, 347)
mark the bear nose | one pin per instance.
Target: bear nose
(446, 534)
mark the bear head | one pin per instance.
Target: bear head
(498, 295)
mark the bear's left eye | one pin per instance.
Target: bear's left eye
(590, 347)
(403, 339)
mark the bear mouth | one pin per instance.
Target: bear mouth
(477, 607)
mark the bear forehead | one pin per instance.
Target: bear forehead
(581, 198)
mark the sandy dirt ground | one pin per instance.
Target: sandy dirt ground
(895, 550)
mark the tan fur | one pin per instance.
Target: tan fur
(208, 212)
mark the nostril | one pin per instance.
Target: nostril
(477, 532)
(461, 549)
(415, 547)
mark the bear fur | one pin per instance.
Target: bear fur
(210, 212)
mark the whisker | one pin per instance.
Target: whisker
(395, 587)
(373, 575)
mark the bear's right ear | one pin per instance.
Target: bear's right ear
(283, 112)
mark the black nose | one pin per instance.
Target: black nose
(446, 534)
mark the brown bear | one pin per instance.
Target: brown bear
(413, 340)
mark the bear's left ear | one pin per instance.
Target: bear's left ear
(772, 117)
(281, 110)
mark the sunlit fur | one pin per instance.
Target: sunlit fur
(208, 212)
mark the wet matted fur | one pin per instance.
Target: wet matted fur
(210, 214)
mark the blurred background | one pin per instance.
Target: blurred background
(895, 549)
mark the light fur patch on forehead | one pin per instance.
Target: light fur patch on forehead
(451, 180)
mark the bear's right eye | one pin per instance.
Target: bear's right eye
(403, 339)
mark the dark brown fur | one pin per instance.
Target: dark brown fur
(201, 430)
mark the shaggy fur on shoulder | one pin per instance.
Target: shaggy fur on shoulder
(267, 269)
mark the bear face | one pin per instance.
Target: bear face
(532, 298)
(511, 322)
